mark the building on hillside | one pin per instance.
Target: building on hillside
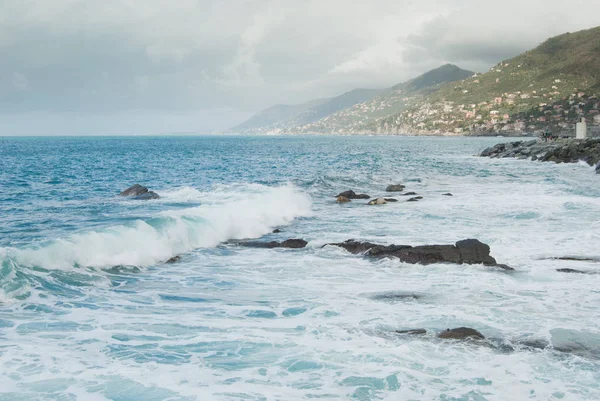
(581, 129)
(597, 119)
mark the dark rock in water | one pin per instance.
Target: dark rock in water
(415, 199)
(578, 259)
(391, 200)
(342, 199)
(395, 296)
(293, 243)
(469, 251)
(138, 191)
(461, 333)
(174, 259)
(475, 251)
(413, 332)
(276, 231)
(395, 188)
(410, 194)
(447, 194)
(353, 195)
(571, 271)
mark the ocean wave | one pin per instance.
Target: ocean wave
(247, 211)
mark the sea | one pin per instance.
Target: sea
(90, 310)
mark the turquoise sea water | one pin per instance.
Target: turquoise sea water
(90, 311)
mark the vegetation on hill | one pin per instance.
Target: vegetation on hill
(549, 87)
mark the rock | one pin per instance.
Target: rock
(342, 199)
(353, 195)
(410, 194)
(470, 251)
(390, 200)
(276, 231)
(378, 201)
(461, 333)
(174, 259)
(475, 251)
(138, 191)
(447, 194)
(412, 332)
(293, 243)
(395, 188)
(415, 199)
(395, 296)
(571, 271)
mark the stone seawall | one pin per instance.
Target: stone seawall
(559, 151)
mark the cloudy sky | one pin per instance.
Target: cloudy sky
(161, 66)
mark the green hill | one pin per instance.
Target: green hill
(389, 102)
(540, 88)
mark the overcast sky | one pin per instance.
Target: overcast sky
(160, 66)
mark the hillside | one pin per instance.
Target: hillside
(388, 102)
(551, 86)
(283, 117)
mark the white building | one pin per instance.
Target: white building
(581, 129)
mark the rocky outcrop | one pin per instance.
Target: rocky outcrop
(469, 251)
(378, 201)
(294, 243)
(342, 199)
(560, 151)
(395, 188)
(138, 191)
(174, 259)
(461, 333)
(353, 195)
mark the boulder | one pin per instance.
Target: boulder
(470, 251)
(276, 231)
(461, 333)
(138, 191)
(174, 259)
(342, 199)
(415, 199)
(353, 195)
(378, 201)
(294, 243)
(395, 188)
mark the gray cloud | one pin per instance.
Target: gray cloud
(201, 65)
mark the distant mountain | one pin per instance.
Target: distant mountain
(549, 87)
(281, 118)
(275, 114)
(389, 102)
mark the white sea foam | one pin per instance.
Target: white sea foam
(225, 215)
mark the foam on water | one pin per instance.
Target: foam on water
(230, 323)
(145, 242)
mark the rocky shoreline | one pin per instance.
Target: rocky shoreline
(559, 151)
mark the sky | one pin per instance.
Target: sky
(143, 67)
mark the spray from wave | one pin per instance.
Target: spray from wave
(249, 211)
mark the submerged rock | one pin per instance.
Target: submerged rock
(447, 194)
(294, 243)
(353, 195)
(174, 259)
(378, 201)
(412, 332)
(410, 194)
(390, 200)
(276, 231)
(342, 199)
(138, 191)
(571, 271)
(469, 251)
(461, 333)
(415, 199)
(395, 188)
